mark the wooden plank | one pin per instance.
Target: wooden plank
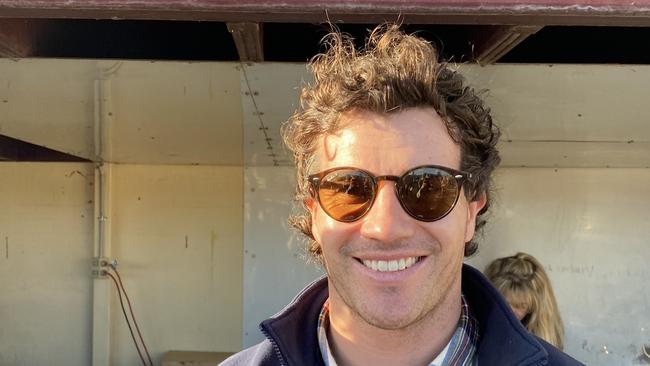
(193, 358)
(249, 40)
(16, 38)
(489, 48)
(504, 12)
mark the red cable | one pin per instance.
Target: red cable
(133, 316)
(117, 287)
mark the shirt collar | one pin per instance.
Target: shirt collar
(459, 351)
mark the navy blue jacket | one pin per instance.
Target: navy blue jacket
(291, 338)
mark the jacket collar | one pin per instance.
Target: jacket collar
(502, 338)
(292, 331)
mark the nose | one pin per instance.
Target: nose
(387, 221)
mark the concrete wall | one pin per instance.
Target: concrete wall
(176, 232)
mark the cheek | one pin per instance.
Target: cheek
(329, 233)
(519, 312)
(455, 225)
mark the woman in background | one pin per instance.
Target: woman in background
(524, 284)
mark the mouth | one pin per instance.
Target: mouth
(390, 265)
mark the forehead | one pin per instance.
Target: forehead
(519, 298)
(388, 143)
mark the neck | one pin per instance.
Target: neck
(354, 342)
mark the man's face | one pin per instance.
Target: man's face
(390, 144)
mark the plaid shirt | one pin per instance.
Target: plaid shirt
(459, 351)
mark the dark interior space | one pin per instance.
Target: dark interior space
(297, 42)
(584, 45)
(134, 40)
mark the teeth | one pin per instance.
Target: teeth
(382, 266)
(393, 265)
(402, 264)
(390, 266)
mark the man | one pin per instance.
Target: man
(394, 156)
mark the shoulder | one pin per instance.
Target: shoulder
(500, 329)
(557, 357)
(291, 333)
(260, 354)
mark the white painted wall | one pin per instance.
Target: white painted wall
(550, 115)
(186, 293)
(590, 227)
(157, 112)
(177, 234)
(46, 243)
(275, 265)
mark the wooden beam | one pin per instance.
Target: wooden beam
(489, 48)
(249, 40)
(497, 12)
(16, 38)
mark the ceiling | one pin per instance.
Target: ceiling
(582, 111)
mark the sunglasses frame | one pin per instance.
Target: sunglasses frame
(315, 180)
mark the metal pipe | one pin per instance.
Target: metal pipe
(101, 287)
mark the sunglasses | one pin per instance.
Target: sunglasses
(426, 193)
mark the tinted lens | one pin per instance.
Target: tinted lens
(428, 193)
(346, 195)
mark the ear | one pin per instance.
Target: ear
(473, 208)
(309, 203)
(312, 207)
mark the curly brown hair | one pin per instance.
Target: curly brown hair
(393, 72)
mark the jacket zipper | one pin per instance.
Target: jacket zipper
(275, 346)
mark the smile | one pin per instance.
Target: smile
(392, 265)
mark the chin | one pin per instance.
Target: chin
(392, 324)
(389, 320)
